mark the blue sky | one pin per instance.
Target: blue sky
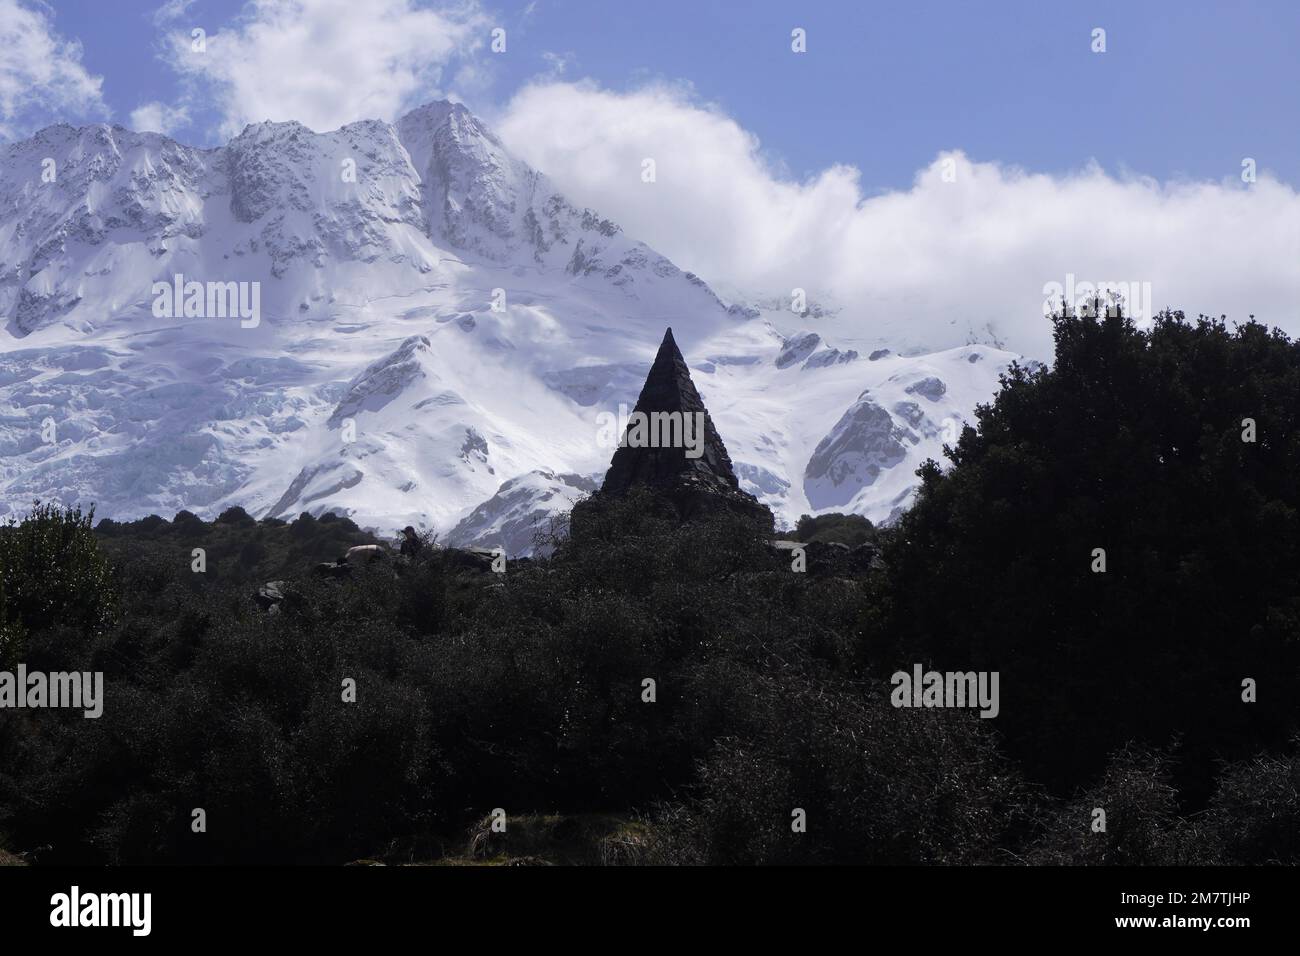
(1185, 89)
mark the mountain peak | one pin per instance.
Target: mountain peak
(437, 110)
(446, 121)
(272, 130)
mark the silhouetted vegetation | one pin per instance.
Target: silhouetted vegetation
(851, 530)
(1135, 442)
(52, 577)
(664, 692)
(236, 547)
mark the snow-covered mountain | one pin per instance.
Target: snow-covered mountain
(430, 334)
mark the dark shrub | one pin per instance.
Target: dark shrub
(876, 785)
(1132, 443)
(235, 515)
(52, 573)
(1142, 822)
(1255, 813)
(852, 530)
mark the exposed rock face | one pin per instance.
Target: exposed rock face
(383, 380)
(829, 356)
(910, 412)
(797, 348)
(695, 473)
(930, 387)
(864, 442)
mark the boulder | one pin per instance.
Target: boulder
(270, 595)
(365, 552)
(928, 387)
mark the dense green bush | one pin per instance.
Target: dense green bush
(212, 703)
(1132, 443)
(876, 785)
(52, 573)
(851, 530)
(475, 690)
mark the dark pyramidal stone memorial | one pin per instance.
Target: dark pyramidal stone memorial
(696, 476)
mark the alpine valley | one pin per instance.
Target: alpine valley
(441, 335)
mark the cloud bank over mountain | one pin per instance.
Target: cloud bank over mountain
(932, 261)
(323, 63)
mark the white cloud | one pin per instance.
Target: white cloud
(325, 63)
(158, 117)
(170, 11)
(41, 75)
(922, 265)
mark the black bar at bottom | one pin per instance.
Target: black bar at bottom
(334, 905)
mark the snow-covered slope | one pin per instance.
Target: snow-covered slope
(438, 336)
